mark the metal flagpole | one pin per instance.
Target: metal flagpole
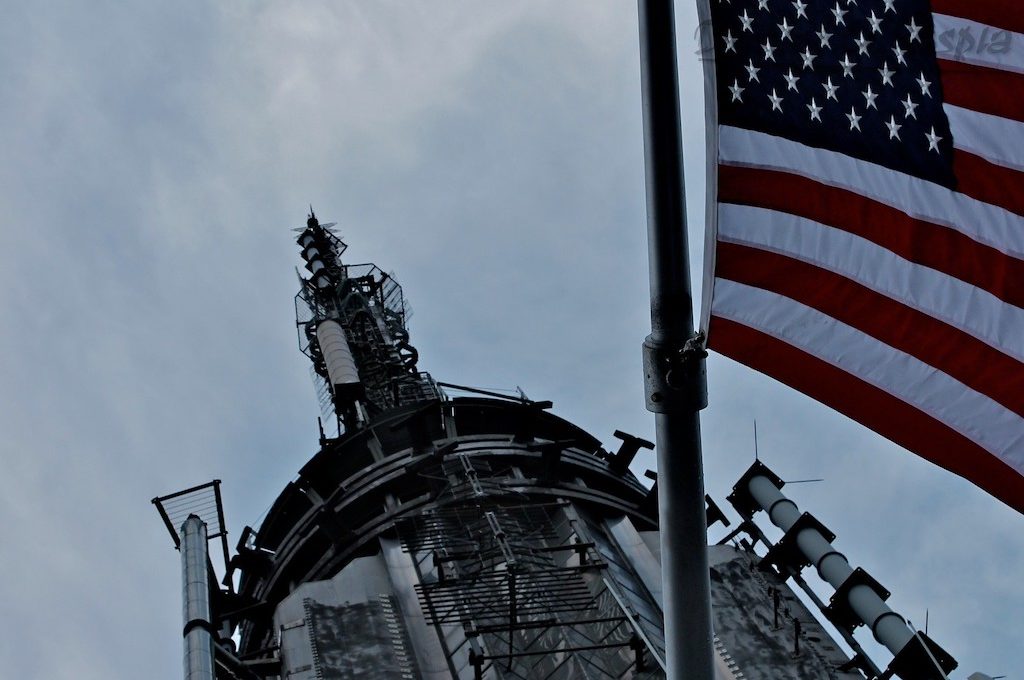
(674, 359)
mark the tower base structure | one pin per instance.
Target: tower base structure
(474, 536)
(463, 538)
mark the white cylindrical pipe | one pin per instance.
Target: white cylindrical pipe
(196, 601)
(834, 568)
(888, 627)
(341, 366)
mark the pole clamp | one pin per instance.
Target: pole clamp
(675, 376)
(198, 623)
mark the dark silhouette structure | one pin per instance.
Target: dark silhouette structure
(446, 532)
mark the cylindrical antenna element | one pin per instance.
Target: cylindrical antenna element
(888, 627)
(196, 601)
(341, 365)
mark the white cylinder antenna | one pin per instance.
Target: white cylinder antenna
(341, 366)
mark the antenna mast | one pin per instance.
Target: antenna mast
(352, 325)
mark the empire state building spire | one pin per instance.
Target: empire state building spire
(352, 326)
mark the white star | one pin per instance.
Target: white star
(752, 72)
(823, 36)
(889, 5)
(854, 119)
(925, 85)
(830, 89)
(730, 42)
(915, 31)
(736, 91)
(762, 4)
(791, 80)
(769, 51)
(847, 66)
(870, 97)
(933, 141)
(900, 53)
(910, 106)
(776, 101)
(801, 8)
(815, 110)
(862, 44)
(808, 58)
(838, 14)
(894, 128)
(747, 22)
(876, 22)
(886, 74)
(786, 30)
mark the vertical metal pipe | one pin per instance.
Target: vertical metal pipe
(196, 601)
(687, 593)
(689, 650)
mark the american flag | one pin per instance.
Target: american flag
(868, 216)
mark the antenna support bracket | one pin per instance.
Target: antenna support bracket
(675, 377)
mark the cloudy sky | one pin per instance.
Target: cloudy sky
(156, 156)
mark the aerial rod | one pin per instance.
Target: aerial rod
(675, 383)
(915, 655)
(195, 587)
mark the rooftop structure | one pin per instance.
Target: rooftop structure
(448, 532)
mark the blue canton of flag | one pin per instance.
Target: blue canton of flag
(858, 78)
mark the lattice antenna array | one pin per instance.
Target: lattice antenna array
(352, 326)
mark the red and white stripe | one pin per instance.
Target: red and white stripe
(894, 300)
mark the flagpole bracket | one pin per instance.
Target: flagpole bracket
(675, 376)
